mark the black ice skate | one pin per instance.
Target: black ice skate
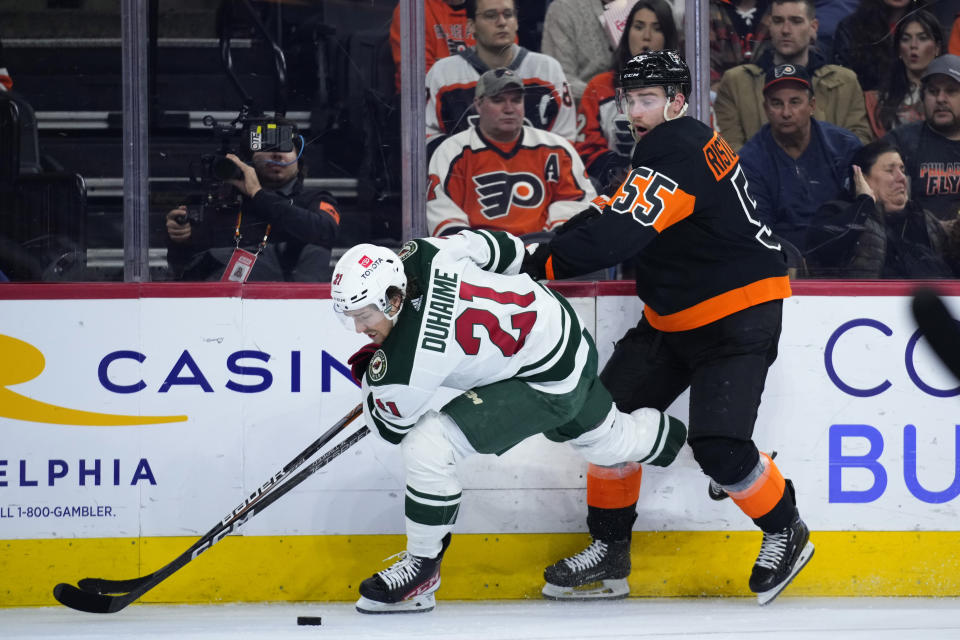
(599, 571)
(405, 587)
(782, 556)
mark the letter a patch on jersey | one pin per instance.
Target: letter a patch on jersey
(498, 191)
(551, 170)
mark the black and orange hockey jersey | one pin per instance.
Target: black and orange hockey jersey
(532, 184)
(685, 217)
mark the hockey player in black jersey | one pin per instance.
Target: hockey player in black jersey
(712, 278)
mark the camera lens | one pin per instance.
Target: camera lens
(224, 169)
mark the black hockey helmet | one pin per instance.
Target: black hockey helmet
(657, 69)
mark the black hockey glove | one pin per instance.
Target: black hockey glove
(595, 209)
(535, 261)
(358, 362)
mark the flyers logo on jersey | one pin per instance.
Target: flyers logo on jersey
(498, 191)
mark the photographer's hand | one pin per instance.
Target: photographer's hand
(177, 230)
(250, 184)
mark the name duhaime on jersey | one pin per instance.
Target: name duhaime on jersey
(462, 327)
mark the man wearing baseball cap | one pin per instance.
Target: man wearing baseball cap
(793, 27)
(502, 174)
(795, 162)
(931, 149)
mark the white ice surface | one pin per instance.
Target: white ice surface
(713, 619)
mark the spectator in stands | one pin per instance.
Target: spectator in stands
(795, 163)
(793, 26)
(863, 40)
(931, 149)
(447, 32)
(881, 232)
(501, 174)
(289, 229)
(918, 40)
(574, 32)
(829, 15)
(604, 142)
(737, 28)
(451, 81)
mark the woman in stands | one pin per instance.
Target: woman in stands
(863, 40)
(604, 141)
(881, 232)
(918, 39)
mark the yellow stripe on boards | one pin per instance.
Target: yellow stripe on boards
(477, 567)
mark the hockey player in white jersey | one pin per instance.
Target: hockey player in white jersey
(455, 312)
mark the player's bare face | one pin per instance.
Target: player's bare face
(500, 117)
(644, 108)
(889, 182)
(941, 101)
(372, 322)
(645, 33)
(495, 26)
(791, 29)
(789, 109)
(275, 168)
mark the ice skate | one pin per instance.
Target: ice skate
(405, 587)
(782, 556)
(599, 571)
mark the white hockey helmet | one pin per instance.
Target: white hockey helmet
(363, 276)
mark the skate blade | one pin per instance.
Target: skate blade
(766, 597)
(604, 589)
(417, 604)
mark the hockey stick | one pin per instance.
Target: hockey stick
(939, 327)
(103, 585)
(81, 600)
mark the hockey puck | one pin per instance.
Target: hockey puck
(306, 620)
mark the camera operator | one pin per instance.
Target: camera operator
(280, 231)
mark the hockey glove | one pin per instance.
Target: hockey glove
(535, 260)
(595, 209)
(360, 360)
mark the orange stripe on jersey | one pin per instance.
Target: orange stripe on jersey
(613, 487)
(720, 156)
(720, 306)
(763, 495)
(548, 268)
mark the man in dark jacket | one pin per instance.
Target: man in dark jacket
(793, 25)
(931, 149)
(795, 163)
(282, 231)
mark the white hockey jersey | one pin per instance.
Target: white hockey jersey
(451, 84)
(470, 319)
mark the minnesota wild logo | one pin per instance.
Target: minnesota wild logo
(378, 366)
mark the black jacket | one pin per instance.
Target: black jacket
(303, 228)
(855, 240)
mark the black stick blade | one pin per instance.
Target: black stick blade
(70, 596)
(105, 586)
(939, 327)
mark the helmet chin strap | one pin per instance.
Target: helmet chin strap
(666, 117)
(683, 110)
